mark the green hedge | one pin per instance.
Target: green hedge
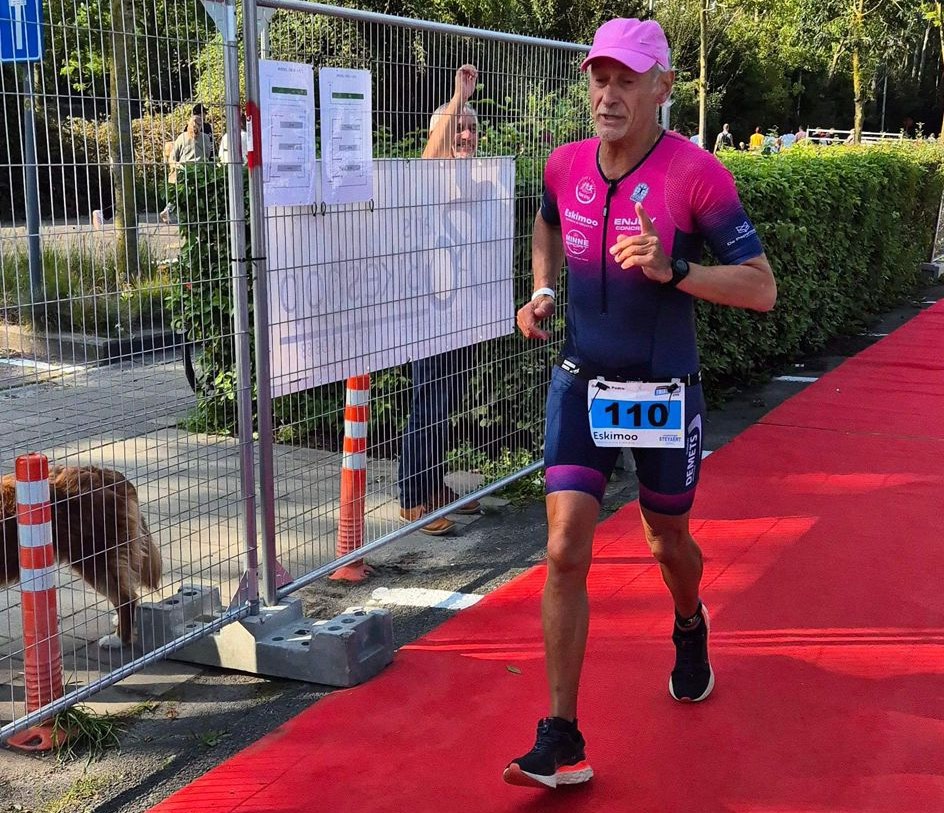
(845, 229)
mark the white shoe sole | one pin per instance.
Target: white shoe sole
(513, 775)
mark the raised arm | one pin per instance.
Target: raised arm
(443, 134)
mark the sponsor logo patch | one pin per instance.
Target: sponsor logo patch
(586, 190)
(693, 450)
(576, 217)
(576, 242)
(640, 192)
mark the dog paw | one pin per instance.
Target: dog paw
(110, 641)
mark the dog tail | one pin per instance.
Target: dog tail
(151, 557)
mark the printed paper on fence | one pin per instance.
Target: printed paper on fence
(428, 270)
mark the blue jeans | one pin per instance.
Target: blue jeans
(439, 383)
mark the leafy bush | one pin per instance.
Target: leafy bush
(845, 230)
(200, 300)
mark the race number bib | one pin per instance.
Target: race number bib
(637, 413)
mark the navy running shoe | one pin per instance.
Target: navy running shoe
(558, 758)
(692, 679)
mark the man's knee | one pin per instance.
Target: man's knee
(566, 556)
(570, 533)
(668, 540)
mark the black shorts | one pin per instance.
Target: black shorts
(572, 462)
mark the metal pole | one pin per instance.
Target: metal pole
(240, 282)
(264, 32)
(703, 73)
(257, 233)
(31, 181)
(884, 97)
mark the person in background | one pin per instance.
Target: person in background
(724, 141)
(191, 146)
(200, 109)
(757, 140)
(439, 382)
(224, 155)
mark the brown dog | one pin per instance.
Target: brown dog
(98, 528)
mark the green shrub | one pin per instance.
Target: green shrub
(845, 230)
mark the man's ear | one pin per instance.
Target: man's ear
(666, 81)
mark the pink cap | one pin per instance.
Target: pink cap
(637, 44)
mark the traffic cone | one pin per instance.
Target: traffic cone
(353, 479)
(42, 649)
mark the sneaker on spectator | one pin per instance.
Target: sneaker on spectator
(436, 527)
(447, 495)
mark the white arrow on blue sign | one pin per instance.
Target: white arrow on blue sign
(21, 30)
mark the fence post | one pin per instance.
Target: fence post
(353, 479)
(42, 649)
(224, 15)
(273, 576)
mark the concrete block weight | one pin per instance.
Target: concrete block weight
(161, 621)
(352, 647)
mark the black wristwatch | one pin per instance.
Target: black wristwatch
(680, 269)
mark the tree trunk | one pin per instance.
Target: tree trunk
(120, 149)
(703, 73)
(857, 93)
(857, 72)
(924, 53)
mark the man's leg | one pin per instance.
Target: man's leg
(571, 519)
(559, 754)
(680, 559)
(678, 555)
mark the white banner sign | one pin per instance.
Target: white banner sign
(428, 269)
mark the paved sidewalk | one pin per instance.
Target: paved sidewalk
(126, 417)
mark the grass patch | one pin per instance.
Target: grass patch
(84, 292)
(79, 732)
(79, 796)
(520, 492)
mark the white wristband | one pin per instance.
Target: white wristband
(544, 292)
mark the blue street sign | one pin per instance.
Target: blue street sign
(21, 30)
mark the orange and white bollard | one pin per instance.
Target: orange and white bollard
(42, 649)
(353, 478)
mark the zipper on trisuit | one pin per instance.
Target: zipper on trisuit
(610, 191)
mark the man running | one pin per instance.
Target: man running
(630, 211)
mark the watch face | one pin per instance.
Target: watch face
(679, 266)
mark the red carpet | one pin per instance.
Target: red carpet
(822, 532)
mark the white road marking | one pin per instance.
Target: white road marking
(875, 335)
(424, 597)
(41, 365)
(797, 379)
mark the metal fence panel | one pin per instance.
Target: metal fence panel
(444, 427)
(127, 318)
(105, 274)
